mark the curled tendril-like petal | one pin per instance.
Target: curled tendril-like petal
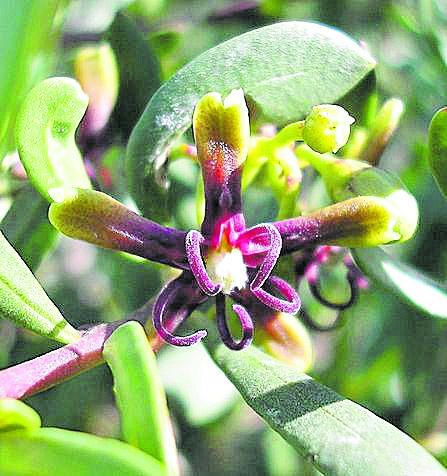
(193, 241)
(315, 290)
(224, 332)
(335, 324)
(290, 304)
(271, 257)
(164, 299)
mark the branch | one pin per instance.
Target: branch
(41, 373)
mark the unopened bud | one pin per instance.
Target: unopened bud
(382, 129)
(286, 339)
(327, 128)
(96, 70)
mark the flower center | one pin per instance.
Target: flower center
(225, 266)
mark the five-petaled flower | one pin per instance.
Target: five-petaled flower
(224, 258)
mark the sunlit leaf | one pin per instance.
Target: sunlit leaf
(338, 436)
(140, 396)
(407, 283)
(284, 69)
(50, 451)
(23, 300)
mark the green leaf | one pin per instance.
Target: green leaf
(14, 415)
(338, 436)
(45, 136)
(23, 300)
(27, 228)
(437, 145)
(284, 69)
(139, 69)
(405, 282)
(27, 31)
(50, 451)
(139, 394)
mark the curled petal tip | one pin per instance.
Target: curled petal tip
(271, 257)
(163, 301)
(292, 302)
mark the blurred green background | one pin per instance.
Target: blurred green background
(386, 356)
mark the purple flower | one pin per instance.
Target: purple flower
(225, 258)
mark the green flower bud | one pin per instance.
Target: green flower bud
(327, 128)
(382, 129)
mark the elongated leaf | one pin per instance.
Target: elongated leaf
(27, 30)
(45, 135)
(23, 300)
(140, 396)
(51, 451)
(407, 283)
(284, 69)
(27, 228)
(437, 143)
(139, 72)
(15, 414)
(338, 436)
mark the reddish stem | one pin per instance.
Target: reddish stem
(45, 371)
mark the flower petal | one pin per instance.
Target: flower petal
(357, 222)
(99, 219)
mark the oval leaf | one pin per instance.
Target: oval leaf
(437, 148)
(139, 394)
(284, 69)
(338, 436)
(23, 300)
(54, 451)
(405, 282)
(45, 135)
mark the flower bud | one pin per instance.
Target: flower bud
(286, 339)
(382, 129)
(96, 70)
(327, 128)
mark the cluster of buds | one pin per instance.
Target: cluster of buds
(225, 258)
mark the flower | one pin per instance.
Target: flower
(225, 258)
